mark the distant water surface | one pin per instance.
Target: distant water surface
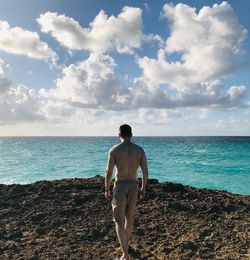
(209, 162)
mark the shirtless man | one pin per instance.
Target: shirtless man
(127, 157)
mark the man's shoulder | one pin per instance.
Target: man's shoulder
(139, 148)
(119, 147)
(114, 148)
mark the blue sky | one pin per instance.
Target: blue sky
(165, 67)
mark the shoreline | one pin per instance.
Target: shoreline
(78, 178)
(70, 218)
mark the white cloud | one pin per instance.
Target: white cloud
(211, 94)
(204, 112)
(17, 103)
(56, 111)
(236, 93)
(122, 33)
(232, 126)
(16, 40)
(207, 41)
(87, 122)
(91, 83)
(1, 67)
(144, 93)
(158, 116)
(4, 83)
(92, 90)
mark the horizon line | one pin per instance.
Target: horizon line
(3, 136)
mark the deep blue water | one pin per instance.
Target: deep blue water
(210, 162)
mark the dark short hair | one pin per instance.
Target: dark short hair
(125, 130)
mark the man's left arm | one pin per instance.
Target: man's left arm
(109, 173)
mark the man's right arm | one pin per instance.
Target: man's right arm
(109, 172)
(144, 168)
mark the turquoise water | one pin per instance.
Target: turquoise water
(211, 162)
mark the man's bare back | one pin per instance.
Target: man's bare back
(127, 157)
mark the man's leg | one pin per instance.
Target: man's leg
(129, 226)
(119, 205)
(130, 211)
(122, 237)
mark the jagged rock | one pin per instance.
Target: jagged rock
(71, 219)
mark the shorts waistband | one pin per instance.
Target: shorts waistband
(126, 181)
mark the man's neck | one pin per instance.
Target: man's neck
(126, 140)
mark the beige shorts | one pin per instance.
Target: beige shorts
(124, 199)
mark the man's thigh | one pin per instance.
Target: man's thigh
(131, 202)
(119, 202)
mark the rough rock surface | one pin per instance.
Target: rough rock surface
(70, 219)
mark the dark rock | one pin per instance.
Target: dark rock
(69, 212)
(95, 234)
(36, 218)
(41, 230)
(188, 245)
(174, 187)
(205, 233)
(229, 208)
(15, 234)
(78, 200)
(71, 219)
(140, 232)
(178, 207)
(153, 181)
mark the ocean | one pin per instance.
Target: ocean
(221, 163)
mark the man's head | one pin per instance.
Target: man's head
(125, 131)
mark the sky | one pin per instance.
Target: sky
(83, 68)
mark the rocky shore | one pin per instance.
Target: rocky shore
(70, 219)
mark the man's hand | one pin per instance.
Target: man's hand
(142, 193)
(108, 195)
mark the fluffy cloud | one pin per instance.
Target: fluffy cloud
(4, 83)
(91, 83)
(158, 116)
(122, 33)
(19, 41)
(17, 103)
(207, 41)
(92, 90)
(212, 94)
(206, 94)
